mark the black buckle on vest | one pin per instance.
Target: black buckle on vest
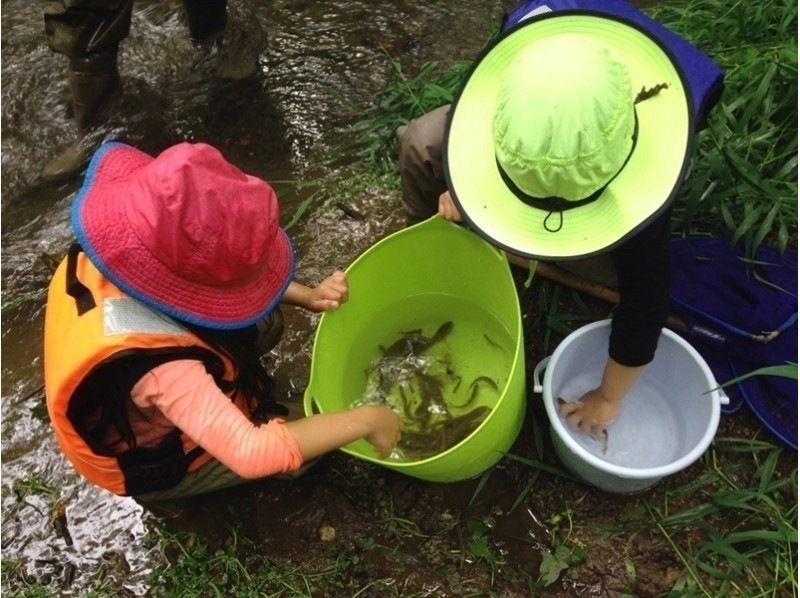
(75, 288)
(152, 469)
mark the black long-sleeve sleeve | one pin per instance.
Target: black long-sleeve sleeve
(643, 273)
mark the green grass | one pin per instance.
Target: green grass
(339, 189)
(402, 98)
(743, 520)
(193, 568)
(744, 181)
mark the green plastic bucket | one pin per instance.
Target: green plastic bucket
(419, 278)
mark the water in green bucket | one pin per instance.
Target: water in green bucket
(424, 364)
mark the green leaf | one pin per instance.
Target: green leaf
(766, 225)
(476, 527)
(690, 515)
(784, 371)
(536, 464)
(481, 484)
(531, 271)
(550, 568)
(479, 548)
(301, 209)
(758, 535)
(751, 216)
(525, 491)
(768, 470)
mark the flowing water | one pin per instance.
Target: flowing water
(314, 60)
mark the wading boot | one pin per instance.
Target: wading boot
(227, 56)
(94, 85)
(224, 50)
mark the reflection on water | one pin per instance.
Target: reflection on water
(315, 59)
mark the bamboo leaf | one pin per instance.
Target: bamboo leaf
(538, 442)
(690, 515)
(766, 225)
(784, 371)
(756, 99)
(481, 484)
(720, 546)
(783, 236)
(300, 211)
(768, 470)
(714, 571)
(788, 168)
(727, 217)
(757, 535)
(525, 491)
(750, 218)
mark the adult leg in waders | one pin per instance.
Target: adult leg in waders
(223, 48)
(88, 32)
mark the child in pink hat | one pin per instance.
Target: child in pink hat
(153, 378)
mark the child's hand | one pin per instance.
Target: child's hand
(591, 414)
(448, 209)
(329, 294)
(386, 429)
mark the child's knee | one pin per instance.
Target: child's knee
(421, 139)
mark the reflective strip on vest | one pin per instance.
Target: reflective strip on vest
(126, 315)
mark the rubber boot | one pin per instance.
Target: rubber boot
(224, 50)
(206, 19)
(94, 84)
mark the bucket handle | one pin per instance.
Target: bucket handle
(309, 404)
(537, 385)
(723, 398)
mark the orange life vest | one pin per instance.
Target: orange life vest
(90, 325)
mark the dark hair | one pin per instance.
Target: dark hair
(252, 380)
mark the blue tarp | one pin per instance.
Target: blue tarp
(742, 315)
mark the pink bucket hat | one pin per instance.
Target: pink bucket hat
(186, 233)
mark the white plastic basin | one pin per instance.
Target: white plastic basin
(667, 421)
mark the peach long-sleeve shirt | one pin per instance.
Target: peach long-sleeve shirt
(183, 394)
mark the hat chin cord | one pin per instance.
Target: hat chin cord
(557, 205)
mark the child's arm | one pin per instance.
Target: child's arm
(324, 432)
(329, 294)
(595, 410)
(189, 398)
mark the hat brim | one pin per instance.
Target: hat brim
(638, 194)
(101, 227)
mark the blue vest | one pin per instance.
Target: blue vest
(703, 76)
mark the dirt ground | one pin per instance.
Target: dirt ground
(390, 534)
(456, 539)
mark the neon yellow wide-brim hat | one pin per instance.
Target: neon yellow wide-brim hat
(548, 151)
